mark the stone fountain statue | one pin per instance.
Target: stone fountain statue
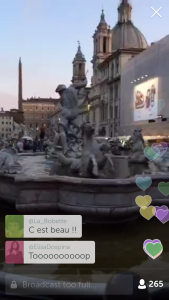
(94, 157)
(137, 154)
(24, 129)
(66, 130)
(70, 111)
(19, 130)
(9, 160)
(79, 149)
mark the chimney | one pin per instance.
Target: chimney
(152, 43)
(2, 109)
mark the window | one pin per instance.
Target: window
(2, 129)
(48, 107)
(116, 111)
(36, 116)
(2, 122)
(10, 123)
(36, 107)
(2, 135)
(36, 125)
(42, 117)
(6, 122)
(9, 129)
(6, 129)
(80, 68)
(111, 93)
(30, 125)
(103, 112)
(104, 44)
(42, 107)
(112, 70)
(116, 91)
(117, 66)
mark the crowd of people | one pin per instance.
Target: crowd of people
(27, 144)
(34, 145)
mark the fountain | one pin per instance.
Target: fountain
(80, 175)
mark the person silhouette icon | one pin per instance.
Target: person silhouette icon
(142, 285)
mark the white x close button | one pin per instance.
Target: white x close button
(156, 12)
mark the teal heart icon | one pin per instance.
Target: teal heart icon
(160, 107)
(143, 182)
(150, 154)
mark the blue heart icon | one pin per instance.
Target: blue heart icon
(143, 182)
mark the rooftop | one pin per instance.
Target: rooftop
(40, 100)
(6, 114)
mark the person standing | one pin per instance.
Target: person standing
(35, 144)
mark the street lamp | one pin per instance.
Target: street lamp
(88, 111)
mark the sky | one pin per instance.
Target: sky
(44, 33)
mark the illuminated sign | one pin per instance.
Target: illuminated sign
(146, 100)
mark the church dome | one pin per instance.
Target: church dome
(126, 35)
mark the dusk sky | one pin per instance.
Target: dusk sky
(44, 33)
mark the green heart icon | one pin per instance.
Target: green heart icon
(154, 249)
(164, 188)
(150, 154)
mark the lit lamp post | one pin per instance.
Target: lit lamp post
(88, 111)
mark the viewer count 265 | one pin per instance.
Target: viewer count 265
(156, 12)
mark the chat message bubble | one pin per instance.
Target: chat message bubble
(50, 252)
(43, 226)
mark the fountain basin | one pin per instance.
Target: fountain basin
(97, 200)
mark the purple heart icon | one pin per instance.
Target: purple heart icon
(162, 213)
(160, 148)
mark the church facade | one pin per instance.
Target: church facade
(112, 49)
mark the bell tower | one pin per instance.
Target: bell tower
(79, 64)
(102, 40)
(102, 46)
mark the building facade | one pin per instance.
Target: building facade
(112, 49)
(145, 92)
(37, 113)
(6, 123)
